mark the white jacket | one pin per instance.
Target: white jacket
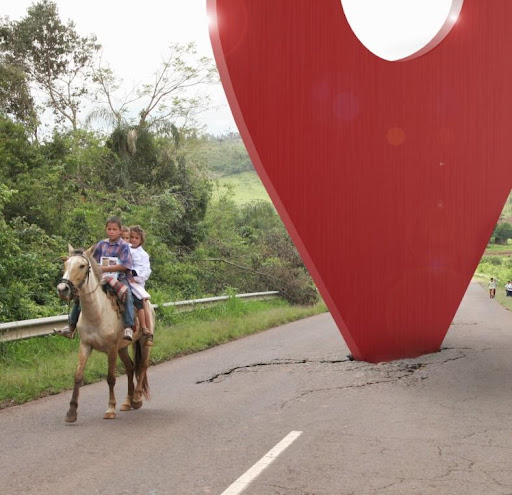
(141, 265)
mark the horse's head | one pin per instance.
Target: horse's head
(77, 269)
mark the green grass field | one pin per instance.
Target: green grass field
(246, 187)
(498, 248)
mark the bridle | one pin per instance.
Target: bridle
(75, 288)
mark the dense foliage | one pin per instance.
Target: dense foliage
(502, 233)
(62, 190)
(498, 267)
(151, 167)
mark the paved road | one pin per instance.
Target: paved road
(439, 424)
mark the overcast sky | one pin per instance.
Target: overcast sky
(135, 34)
(396, 29)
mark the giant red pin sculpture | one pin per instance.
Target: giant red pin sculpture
(388, 175)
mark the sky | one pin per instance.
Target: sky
(396, 29)
(135, 34)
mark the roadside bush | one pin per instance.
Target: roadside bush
(294, 284)
(249, 248)
(502, 233)
(61, 191)
(498, 267)
(29, 270)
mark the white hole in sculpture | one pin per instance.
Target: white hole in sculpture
(401, 29)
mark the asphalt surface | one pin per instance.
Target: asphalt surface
(438, 424)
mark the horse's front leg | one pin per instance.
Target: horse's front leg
(83, 355)
(111, 380)
(128, 366)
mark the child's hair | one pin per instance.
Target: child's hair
(125, 229)
(138, 230)
(115, 220)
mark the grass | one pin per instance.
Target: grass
(498, 266)
(246, 187)
(497, 248)
(37, 367)
(505, 301)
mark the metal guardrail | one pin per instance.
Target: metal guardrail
(25, 329)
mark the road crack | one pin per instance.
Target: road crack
(393, 371)
(276, 362)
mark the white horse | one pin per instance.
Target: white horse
(100, 327)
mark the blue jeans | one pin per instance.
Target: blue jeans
(128, 315)
(129, 312)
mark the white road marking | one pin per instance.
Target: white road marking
(243, 482)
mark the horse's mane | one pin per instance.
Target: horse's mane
(94, 266)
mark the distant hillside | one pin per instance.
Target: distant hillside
(225, 155)
(231, 168)
(246, 187)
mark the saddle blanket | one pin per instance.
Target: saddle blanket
(118, 287)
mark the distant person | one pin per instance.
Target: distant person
(493, 283)
(508, 289)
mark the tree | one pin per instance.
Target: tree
(502, 233)
(165, 101)
(157, 174)
(15, 98)
(248, 248)
(53, 56)
(29, 269)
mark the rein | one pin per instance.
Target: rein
(76, 288)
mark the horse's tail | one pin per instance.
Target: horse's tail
(139, 359)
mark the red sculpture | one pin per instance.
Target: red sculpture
(389, 176)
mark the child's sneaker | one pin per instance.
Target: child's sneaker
(128, 334)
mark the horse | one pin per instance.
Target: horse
(100, 327)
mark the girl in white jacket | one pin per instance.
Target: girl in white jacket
(141, 272)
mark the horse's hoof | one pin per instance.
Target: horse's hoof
(126, 407)
(109, 415)
(70, 418)
(137, 405)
